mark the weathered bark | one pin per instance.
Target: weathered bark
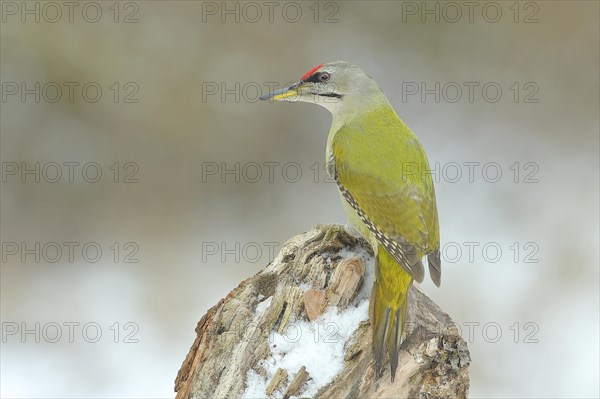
(316, 270)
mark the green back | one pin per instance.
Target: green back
(380, 161)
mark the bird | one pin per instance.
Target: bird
(386, 188)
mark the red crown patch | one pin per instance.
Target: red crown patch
(307, 74)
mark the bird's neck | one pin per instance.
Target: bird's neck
(353, 107)
(358, 118)
(354, 110)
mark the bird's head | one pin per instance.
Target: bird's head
(334, 85)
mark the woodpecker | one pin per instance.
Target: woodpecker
(381, 171)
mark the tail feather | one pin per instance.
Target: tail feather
(381, 323)
(388, 310)
(395, 338)
(435, 267)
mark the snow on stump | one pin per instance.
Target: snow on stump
(300, 328)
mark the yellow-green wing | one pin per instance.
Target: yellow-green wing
(382, 171)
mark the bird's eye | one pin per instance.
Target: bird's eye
(324, 77)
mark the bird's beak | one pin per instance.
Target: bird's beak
(282, 94)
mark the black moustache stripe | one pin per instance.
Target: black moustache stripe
(331, 95)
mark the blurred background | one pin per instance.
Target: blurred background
(142, 179)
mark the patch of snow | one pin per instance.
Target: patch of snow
(256, 386)
(318, 345)
(262, 306)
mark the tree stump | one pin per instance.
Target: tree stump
(299, 328)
